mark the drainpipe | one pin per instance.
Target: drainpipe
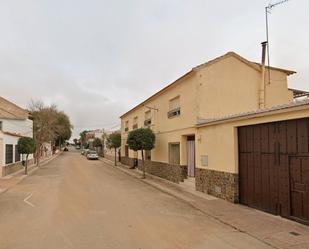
(262, 86)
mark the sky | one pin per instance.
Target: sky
(97, 59)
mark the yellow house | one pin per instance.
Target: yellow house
(188, 141)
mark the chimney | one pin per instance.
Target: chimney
(262, 85)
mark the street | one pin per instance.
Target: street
(75, 203)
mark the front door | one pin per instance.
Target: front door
(299, 186)
(191, 157)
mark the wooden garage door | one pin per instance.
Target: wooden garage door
(268, 158)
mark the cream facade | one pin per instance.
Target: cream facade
(220, 88)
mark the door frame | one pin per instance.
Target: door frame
(191, 138)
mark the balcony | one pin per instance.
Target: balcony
(173, 113)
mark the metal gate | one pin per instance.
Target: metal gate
(270, 177)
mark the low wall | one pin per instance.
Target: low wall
(13, 167)
(110, 157)
(173, 173)
(223, 185)
(127, 161)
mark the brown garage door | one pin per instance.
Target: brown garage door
(274, 167)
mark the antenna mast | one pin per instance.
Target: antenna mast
(268, 11)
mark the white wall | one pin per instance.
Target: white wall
(20, 127)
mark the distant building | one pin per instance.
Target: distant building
(14, 123)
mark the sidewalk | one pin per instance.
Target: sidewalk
(272, 230)
(11, 180)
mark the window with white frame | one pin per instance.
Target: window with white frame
(126, 125)
(135, 123)
(147, 121)
(174, 107)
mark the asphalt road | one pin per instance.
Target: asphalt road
(75, 203)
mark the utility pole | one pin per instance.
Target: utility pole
(268, 11)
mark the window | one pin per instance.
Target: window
(174, 153)
(174, 107)
(148, 155)
(17, 155)
(126, 126)
(126, 151)
(135, 123)
(147, 121)
(8, 153)
(0, 125)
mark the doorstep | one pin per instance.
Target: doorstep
(272, 230)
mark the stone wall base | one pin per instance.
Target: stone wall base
(110, 157)
(223, 185)
(173, 173)
(127, 161)
(13, 167)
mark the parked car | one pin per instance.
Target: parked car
(65, 149)
(83, 151)
(77, 147)
(92, 154)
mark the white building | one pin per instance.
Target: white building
(14, 123)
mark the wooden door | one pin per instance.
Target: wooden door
(174, 153)
(274, 167)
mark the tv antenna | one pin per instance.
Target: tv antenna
(268, 10)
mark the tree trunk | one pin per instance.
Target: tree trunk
(26, 165)
(143, 163)
(38, 154)
(115, 156)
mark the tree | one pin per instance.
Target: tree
(26, 145)
(97, 143)
(49, 125)
(141, 139)
(63, 128)
(114, 141)
(83, 137)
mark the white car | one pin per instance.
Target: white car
(91, 154)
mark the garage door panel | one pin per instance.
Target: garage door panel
(264, 139)
(292, 137)
(284, 191)
(251, 178)
(249, 139)
(265, 204)
(242, 140)
(243, 179)
(274, 171)
(257, 179)
(257, 139)
(272, 131)
(282, 137)
(302, 136)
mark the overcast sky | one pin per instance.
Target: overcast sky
(96, 59)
